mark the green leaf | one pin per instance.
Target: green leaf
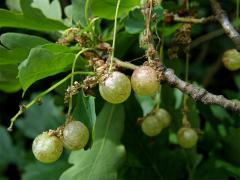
(107, 8)
(40, 118)
(3, 178)
(18, 45)
(68, 11)
(209, 171)
(135, 22)
(209, 140)
(31, 18)
(169, 30)
(56, 48)
(158, 12)
(179, 98)
(42, 63)
(51, 9)
(8, 78)
(220, 113)
(171, 6)
(79, 6)
(85, 110)
(231, 146)
(13, 5)
(41, 171)
(168, 102)
(124, 41)
(193, 113)
(104, 158)
(7, 153)
(146, 102)
(174, 164)
(237, 80)
(231, 94)
(19, 40)
(229, 167)
(14, 56)
(193, 159)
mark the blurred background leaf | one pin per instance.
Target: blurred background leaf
(41, 118)
(41, 64)
(51, 9)
(30, 18)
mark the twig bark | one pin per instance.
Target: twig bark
(125, 64)
(198, 93)
(225, 23)
(206, 37)
(194, 20)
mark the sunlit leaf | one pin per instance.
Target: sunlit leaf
(42, 63)
(30, 18)
(109, 7)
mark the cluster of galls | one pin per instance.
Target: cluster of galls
(116, 86)
(181, 41)
(48, 146)
(155, 122)
(158, 119)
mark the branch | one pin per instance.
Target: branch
(225, 23)
(194, 20)
(206, 37)
(125, 64)
(196, 92)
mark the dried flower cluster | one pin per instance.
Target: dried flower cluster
(181, 41)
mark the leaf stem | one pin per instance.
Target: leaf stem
(72, 77)
(237, 10)
(86, 11)
(158, 97)
(36, 99)
(185, 97)
(187, 5)
(114, 35)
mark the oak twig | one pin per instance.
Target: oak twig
(198, 93)
(125, 64)
(223, 19)
(193, 20)
(206, 37)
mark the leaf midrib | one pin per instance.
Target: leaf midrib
(103, 143)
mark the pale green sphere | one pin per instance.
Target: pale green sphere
(116, 88)
(187, 137)
(163, 116)
(231, 59)
(75, 135)
(145, 81)
(151, 126)
(46, 148)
